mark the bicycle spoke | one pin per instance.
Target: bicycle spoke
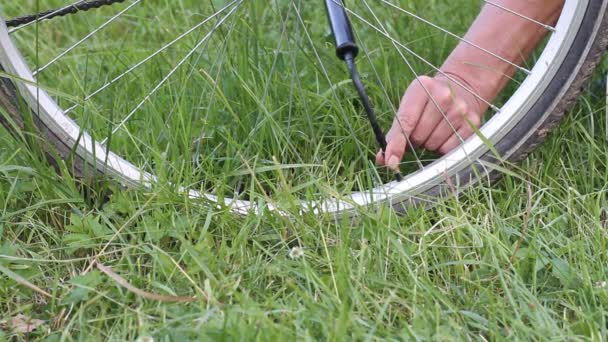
(151, 56)
(407, 138)
(219, 64)
(92, 33)
(255, 105)
(191, 71)
(462, 39)
(548, 27)
(173, 70)
(264, 96)
(417, 76)
(425, 61)
(328, 79)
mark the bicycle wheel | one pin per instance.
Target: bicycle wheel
(243, 103)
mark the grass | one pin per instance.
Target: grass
(522, 259)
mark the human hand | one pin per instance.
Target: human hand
(436, 114)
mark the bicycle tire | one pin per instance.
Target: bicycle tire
(584, 54)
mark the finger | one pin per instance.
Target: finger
(464, 132)
(410, 110)
(380, 158)
(447, 127)
(435, 111)
(431, 117)
(392, 163)
(395, 149)
(395, 146)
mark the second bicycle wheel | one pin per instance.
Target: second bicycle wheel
(244, 102)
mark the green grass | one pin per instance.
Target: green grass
(522, 259)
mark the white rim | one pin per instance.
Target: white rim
(414, 184)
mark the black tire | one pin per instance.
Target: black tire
(562, 93)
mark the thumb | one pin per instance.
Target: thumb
(380, 160)
(395, 149)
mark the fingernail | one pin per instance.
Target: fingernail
(393, 163)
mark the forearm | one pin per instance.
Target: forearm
(504, 34)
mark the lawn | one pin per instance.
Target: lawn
(523, 258)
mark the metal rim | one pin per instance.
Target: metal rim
(392, 193)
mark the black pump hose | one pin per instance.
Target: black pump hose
(369, 111)
(347, 50)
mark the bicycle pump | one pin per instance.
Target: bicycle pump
(347, 50)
